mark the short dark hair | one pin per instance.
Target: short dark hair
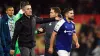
(9, 7)
(24, 3)
(66, 10)
(56, 9)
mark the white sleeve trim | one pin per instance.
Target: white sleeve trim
(58, 25)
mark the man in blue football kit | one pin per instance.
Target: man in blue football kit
(64, 33)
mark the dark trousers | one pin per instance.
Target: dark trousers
(25, 51)
(7, 50)
(1, 51)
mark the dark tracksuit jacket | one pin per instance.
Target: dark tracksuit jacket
(25, 29)
(48, 29)
(5, 34)
(1, 41)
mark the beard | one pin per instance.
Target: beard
(71, 18)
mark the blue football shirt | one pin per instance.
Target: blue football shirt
(64, 31)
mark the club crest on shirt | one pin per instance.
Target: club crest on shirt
(6, 23)
(65, 26)
(50, 24)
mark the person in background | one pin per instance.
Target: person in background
(7, 28)
(1, 40)
(48, 29)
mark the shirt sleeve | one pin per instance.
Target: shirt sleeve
(18, 27)
(3, 43)
(44, 20)
(74, 31)
(43, 26)
(58, 25)
(18, 15)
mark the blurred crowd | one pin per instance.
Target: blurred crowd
(89, 34)
(80, 6)
(89, 38)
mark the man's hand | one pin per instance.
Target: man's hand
(21, 11)
(12, 52)
(40, 29)
(50, 50)
(77, 45)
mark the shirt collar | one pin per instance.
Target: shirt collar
(66, 20)
(10, 18)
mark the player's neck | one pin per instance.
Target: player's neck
(68, 20)
(58, 18)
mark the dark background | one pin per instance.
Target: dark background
(42, 6)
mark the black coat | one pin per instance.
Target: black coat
(25, 29)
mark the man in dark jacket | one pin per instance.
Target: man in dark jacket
(7, 28)
(25, 30)
(1, 42)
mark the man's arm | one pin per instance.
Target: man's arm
(52, 42)
(53, 36)
(56, 30)
(18, 27)
(75, 39)
(41, 29)
(44, 20)
(18, 15)
(3, 42)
